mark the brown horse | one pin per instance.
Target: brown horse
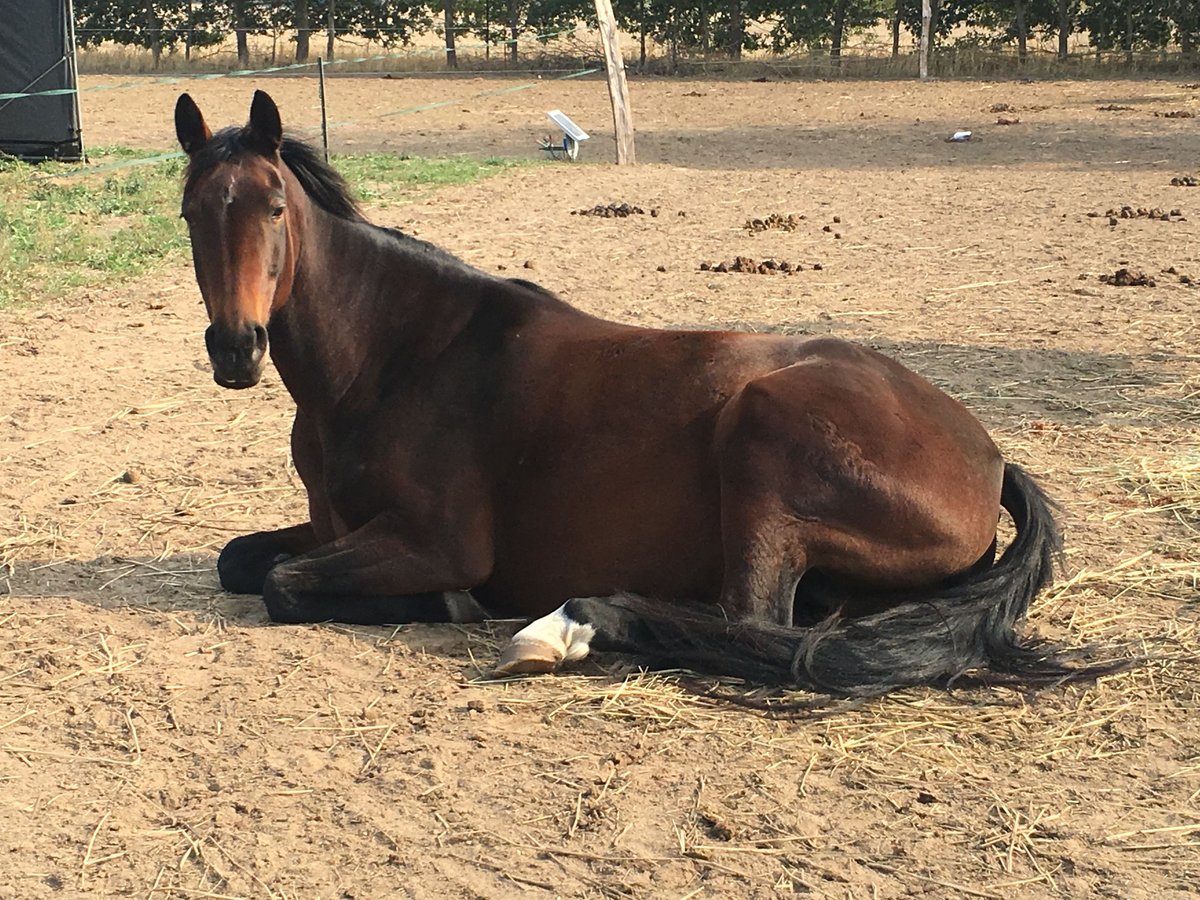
(804, 511)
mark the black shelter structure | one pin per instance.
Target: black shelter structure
(39, 99)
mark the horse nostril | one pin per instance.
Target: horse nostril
(260, 338)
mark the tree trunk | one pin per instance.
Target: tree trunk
(514, 29)
(332, 33)
(155, 34)
(239, 26)
(1064, 28)
(896, 30)
(301, 31)
(737, 29)
(1127, 41)
(673, 44)
(1022, 32)
(702, 23)
(451, 55)
(642, 35)
(839, 27)
(188, 36)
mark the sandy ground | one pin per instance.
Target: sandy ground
(158, 739)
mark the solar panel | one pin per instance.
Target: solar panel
(570, 129)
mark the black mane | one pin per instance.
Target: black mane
(320, 181)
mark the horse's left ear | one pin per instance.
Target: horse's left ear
(265, 130)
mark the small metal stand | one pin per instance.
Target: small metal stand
(573, 136)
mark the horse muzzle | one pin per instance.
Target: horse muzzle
(237, 354)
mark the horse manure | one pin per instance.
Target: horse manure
(1176, 114)
(827, 228)
(774, 222)
(1141, 212)
(611, 211)
(1183, 279)
(749, 266)
(661, 269)
(529, 264)
(1003, 107)
(1185, 181)
(1114, 107)
(1128, 278)
(1008, 120)
(837, 220)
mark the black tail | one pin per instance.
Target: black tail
(930, 639)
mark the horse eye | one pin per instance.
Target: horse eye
(277, 213)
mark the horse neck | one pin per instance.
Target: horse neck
(356, 299)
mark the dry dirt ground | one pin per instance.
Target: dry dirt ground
(159, 739)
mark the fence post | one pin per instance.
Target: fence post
(926, 36)
(324, 118)
(618, 90)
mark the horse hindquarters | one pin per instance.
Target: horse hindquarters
(930, 637)
(828, 466)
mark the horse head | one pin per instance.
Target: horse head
(243, 209)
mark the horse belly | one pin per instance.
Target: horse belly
(650, 528)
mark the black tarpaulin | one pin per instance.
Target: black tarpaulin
(37, 54)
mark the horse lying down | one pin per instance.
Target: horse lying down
(804, 511)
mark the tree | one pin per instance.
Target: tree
(1127, 24)
(302, 31)
(448, 8)
(819, 24)
(1185, 15)
(157, 26)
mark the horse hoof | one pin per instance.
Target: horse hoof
(528, 657)
(543, 644)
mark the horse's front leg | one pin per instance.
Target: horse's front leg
(246, 561)
(387, 572)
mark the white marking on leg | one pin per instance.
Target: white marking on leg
(545, 643)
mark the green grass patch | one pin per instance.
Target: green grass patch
(382, 180)
(63, 226)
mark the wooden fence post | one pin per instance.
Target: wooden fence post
(926, 36)
(618, 90)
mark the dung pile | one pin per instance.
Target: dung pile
(774, 222)
(613, 211)
(1128, 278)
(750, 266)
(1141, 212)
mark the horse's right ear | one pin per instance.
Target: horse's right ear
(190, 127)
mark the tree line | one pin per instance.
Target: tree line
(707, 27)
